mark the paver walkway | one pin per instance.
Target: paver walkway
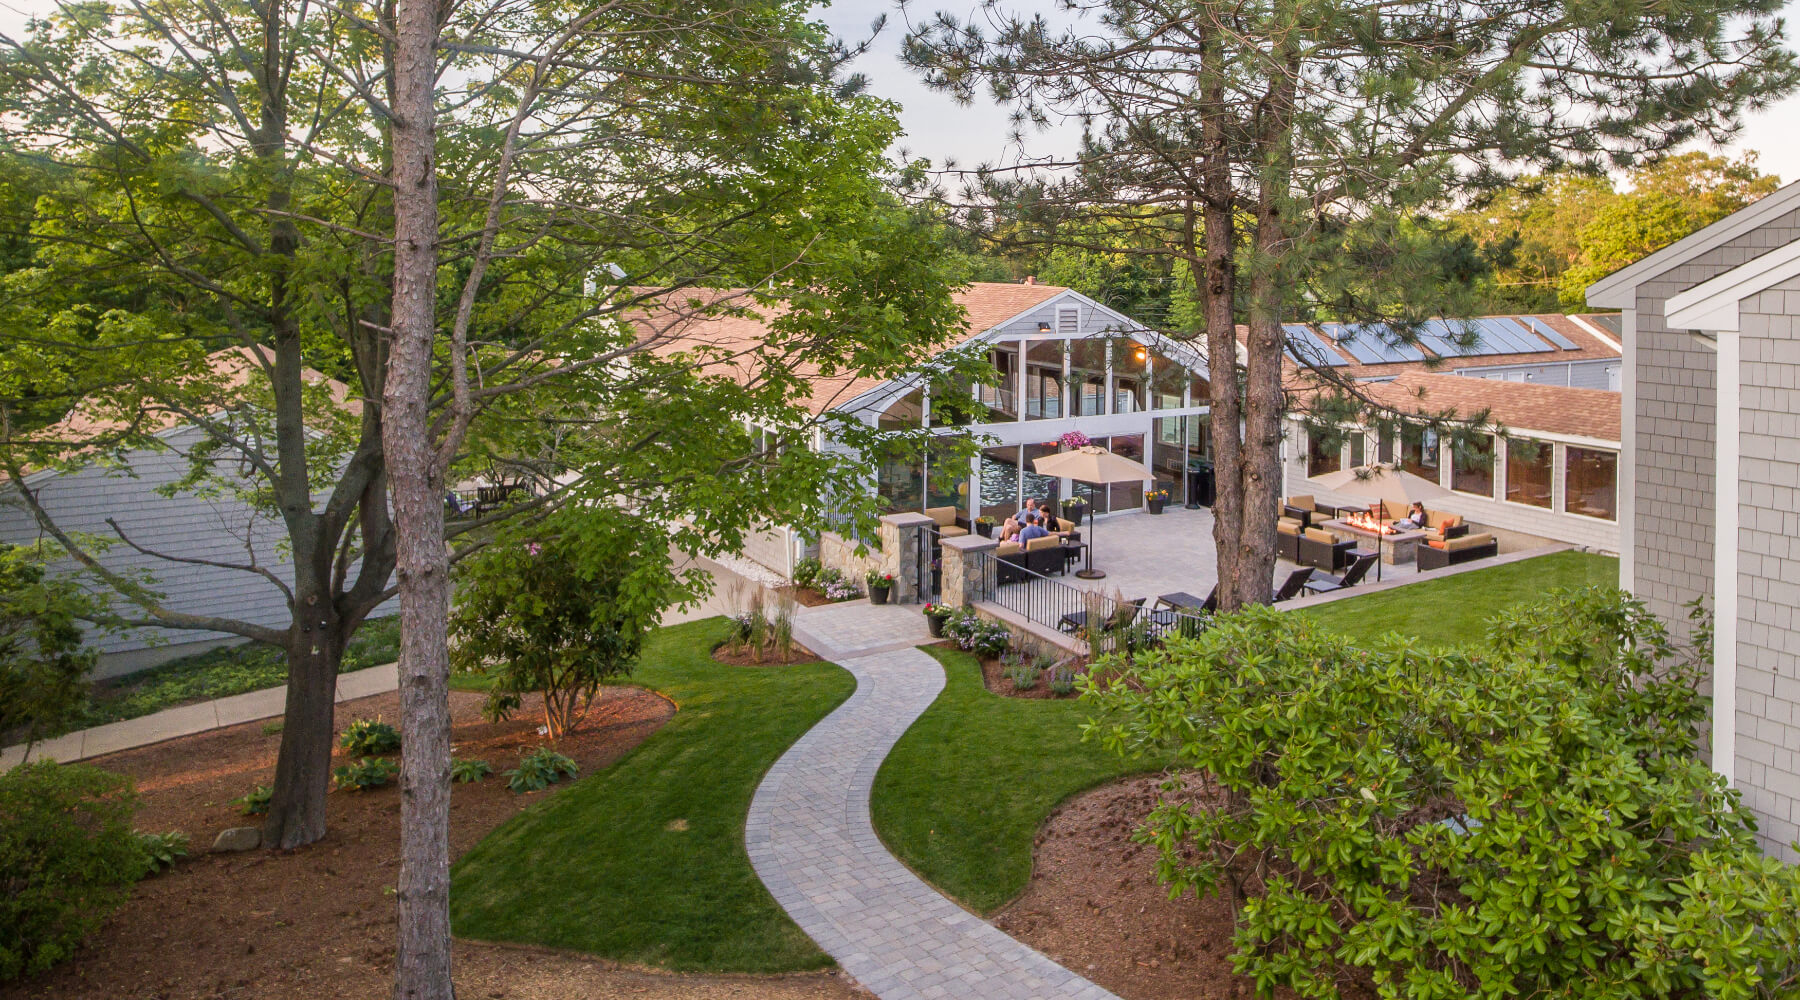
(811, 842)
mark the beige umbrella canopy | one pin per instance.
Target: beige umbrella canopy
(1092, 464)
(1380, 482)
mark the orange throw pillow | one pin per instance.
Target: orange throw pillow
(1435, 545)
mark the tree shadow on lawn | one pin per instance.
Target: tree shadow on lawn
(645, 862)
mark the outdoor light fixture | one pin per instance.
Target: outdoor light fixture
(1043, 326)
(1140, 354)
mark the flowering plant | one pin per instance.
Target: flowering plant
(935, 610)
(876, 578)
(1075, 439)
(1074, 502)
(1157, 495)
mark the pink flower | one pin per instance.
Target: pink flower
(533, 548)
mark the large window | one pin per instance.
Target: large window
(947, 478)
(1087, 377)
(1419, 451)
(1324, 453)
(1530, 469)
(905, 413)
(1128, 496)
(1591, 482)
(1472, 471)
(1033, 484)
(1043, 380)
(1359, 444)
(1000, 398)
(1167, 380)
(1000, 481)
(1131, 367)
(900, 482)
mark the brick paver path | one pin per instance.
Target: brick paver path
(810, 840)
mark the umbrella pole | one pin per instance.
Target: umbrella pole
(1090, 573)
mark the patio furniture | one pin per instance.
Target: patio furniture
(1287, 538)
(1439, 524)
(1295, 581)
(1353, 576)
(1075, 621)
(1184, 601)
(949, 525)
(1321, 550)
(1046, 555)
(1094, 465)
(1451, 551)
(1072, 551)
(1183, 613)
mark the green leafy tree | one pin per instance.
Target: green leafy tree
(1293, 148)
(563, 610)
(43, 664)
(1527, 818)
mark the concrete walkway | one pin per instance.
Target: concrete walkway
(186, 720)
(811, 842)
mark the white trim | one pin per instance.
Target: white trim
(1618, 290)
(1725, 564)
(1596, 332)
(1712, 305)
(1627, 487)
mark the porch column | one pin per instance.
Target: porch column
(903, 537)
(970, 570)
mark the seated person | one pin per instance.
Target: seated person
(1032, 530)
(1415, 518)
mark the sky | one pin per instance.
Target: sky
(939, 129)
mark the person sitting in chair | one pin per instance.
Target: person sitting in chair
(1030, 531)
(1415, 518)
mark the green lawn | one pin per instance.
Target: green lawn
(228, 670)
(961, 797)
(1451, 611)
(644, 862)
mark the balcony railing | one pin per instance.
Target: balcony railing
(1054, 604)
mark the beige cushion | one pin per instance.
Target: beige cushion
(1438, 520)
(1391, 511)
(1466, 542)
(1064, 526)
(1046, 542)
(1320, 535)
(944, 516)
(1304, 501)
(1008, 549)
(1288, 526)
(951, 531)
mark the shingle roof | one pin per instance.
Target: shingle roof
(1516, 406)
(1588, 348)
(678, 322)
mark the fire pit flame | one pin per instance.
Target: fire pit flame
(1369, 523)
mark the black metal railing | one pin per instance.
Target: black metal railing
(1106, 624)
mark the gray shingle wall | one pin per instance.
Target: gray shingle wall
(1597, 374)
(1676, 395)
(1768, 695)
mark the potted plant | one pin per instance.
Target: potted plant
(879, 585)
(935, 617)
(984, 526)
(1072, 509)
(1155, 500)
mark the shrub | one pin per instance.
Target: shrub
(370, 772)
(836, 587)
(806, 572)
(369, 738)
(976, 634)
(43, 665)
(1526, 819)
(468, 772)
(540, 769)
(1024, 674)
(1061, 679)
(67, 859)
(162, 850)
(564, 612)
(255, 802)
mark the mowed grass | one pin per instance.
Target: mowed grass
(644, 862)
(962, 795)
(1453, 611)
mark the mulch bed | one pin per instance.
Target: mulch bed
(319, 922)
(1094, 905)
(728, 653)
(993, 676)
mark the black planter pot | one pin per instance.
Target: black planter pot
(1156, 506)
(1072, 513)
(935, 626)
(984, 530)
(878, 595)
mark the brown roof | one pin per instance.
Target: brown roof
(686, 321)
(1515, 406)
(1588, 348)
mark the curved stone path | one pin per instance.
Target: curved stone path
(811, 842)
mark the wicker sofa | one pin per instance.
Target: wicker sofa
(1439, 524)
(1043, 556)
(1462, 549)
(1303, 508)
(949, 524)
(1321, 549)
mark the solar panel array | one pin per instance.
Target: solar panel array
(1545, 331)
(1306, 347)
(1369, 343)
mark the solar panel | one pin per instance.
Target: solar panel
(1545, 331)
(1306, 347)
(1365, 344)
(1442, 336)
(1509, 337)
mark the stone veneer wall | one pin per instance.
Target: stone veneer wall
(839, 553)
(1768, 678)
(1676, 393)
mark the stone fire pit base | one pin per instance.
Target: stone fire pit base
(1396, 549)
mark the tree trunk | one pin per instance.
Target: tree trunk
(422, 965)
(315, 651)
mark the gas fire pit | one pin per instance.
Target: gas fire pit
(1396, 547)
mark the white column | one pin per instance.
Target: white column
(1725, 561)
(1627, 487)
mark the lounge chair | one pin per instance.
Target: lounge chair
(1451, 551)
(1321, 550)
(1182, 619)
(1353, 576)
(1295, 581)
(1287, 538)
(1075, 621)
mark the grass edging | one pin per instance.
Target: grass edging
(963, 794)
(644, 862)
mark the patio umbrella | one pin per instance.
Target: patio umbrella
(1094, 465)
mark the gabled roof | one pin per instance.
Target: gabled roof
(1712, 306)
(1618, 290)
(1516, 406)
(672, 324)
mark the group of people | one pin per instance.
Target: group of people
(1032, 521)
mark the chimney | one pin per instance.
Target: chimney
(1030, 279)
